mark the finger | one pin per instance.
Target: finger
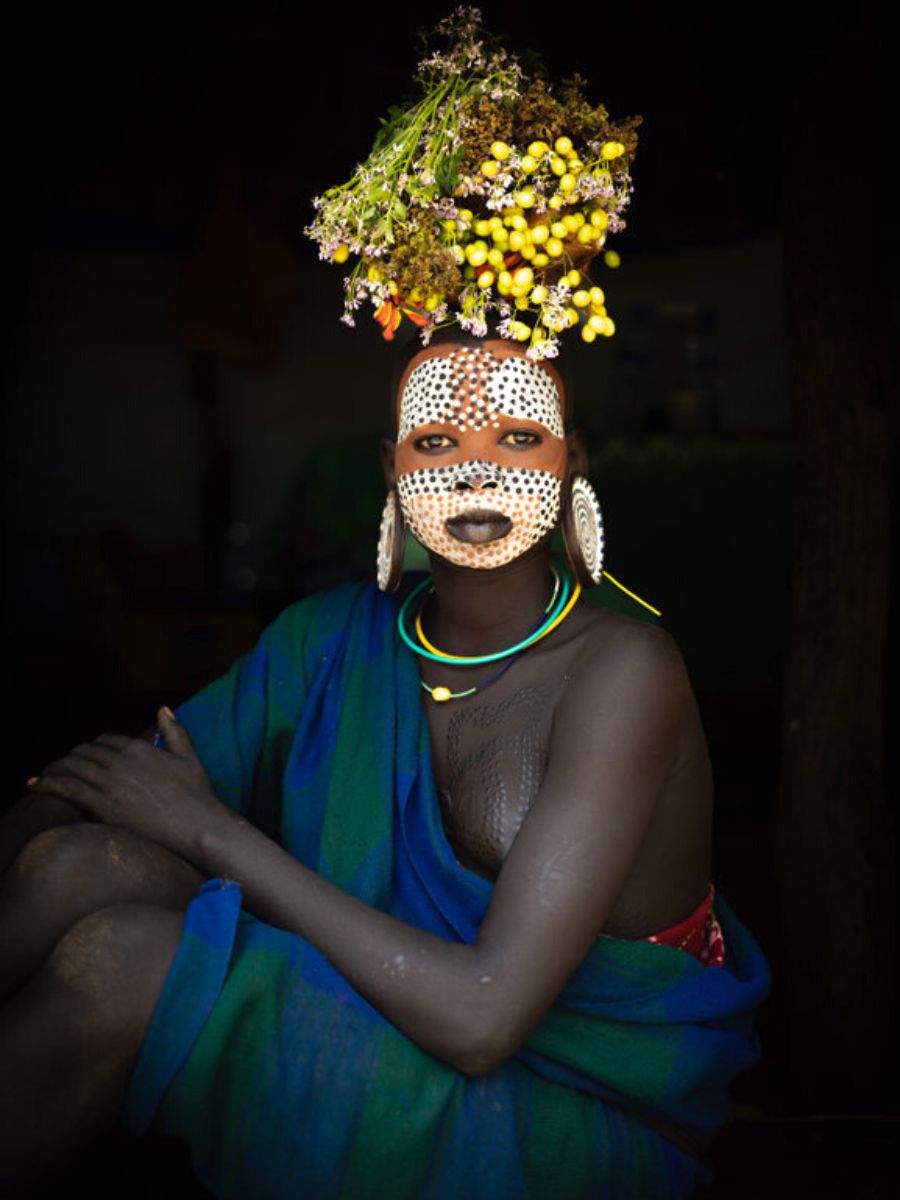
(178, 740)
(77, 765)
(59, 766)
(68, 787)
(87, 752)
(83, 749)
(96, 752)
(115, 741)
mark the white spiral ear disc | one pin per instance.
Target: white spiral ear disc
(387, 535)
(587, 521)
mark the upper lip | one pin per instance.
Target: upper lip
(477, 516)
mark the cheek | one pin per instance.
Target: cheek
(405, 459)
(514, 491)
(530, 499)
(555, 457)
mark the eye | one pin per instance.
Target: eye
(434, 441)
(520, 437)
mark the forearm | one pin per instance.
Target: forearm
(437, 992)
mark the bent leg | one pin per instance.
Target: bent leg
(37, 811)
(70, 1039)
(28, 817)
(72, 870)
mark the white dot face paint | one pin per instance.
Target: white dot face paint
(470, 386)
(496, 446)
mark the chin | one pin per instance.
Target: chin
(488, 556)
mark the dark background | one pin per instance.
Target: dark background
(192, 432)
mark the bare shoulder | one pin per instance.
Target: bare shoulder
(629, 678)
(618, 649)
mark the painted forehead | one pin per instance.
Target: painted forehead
(471, 385)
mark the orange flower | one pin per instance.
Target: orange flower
(416, 318)
(390, 315)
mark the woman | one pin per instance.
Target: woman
(427, 955)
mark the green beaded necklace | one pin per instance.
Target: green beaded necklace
(557, 603)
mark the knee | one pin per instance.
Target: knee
(66, 857)
(29, 816)
(101, 863)
(55, 856)
(111, 967)
(57, 846)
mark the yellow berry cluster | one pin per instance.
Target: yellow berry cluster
(470, 210)
(540, 158)
(507, 249)
(532, 239)
(540, 241)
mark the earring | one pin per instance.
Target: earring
(391, 544)
(582, 530)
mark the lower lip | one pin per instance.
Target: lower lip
(479, 532)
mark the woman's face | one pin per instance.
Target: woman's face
(481, 451)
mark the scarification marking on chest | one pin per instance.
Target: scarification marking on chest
(495, 776)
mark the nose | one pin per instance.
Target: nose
(476, 479)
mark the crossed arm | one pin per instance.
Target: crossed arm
(614, 741)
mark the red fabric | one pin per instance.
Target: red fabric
(699, 934)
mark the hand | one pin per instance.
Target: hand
(162, 794)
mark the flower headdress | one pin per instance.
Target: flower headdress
(486, 199)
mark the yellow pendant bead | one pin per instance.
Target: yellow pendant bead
(440, 693)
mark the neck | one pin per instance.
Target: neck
(480, 612)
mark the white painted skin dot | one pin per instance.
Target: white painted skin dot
(470, 384)
(468, 388)
(429, 498)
